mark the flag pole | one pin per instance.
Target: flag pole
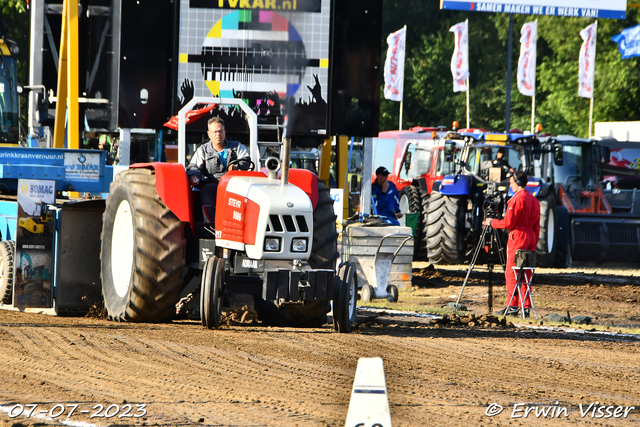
(590, 116)
(533, 112)
(405, 60)
(468, 90)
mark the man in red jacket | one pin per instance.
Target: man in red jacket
(523, 221)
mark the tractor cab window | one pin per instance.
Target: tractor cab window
(447, 166)
(417, 162)
(572, 165)
(481, 157)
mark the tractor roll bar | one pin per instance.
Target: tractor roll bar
(252, 119)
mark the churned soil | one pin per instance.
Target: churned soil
(246, 374)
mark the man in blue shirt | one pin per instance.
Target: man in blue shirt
(385, 196)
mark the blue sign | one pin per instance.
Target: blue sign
(615, 9)
(628, 42)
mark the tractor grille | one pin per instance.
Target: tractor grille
(291, 224)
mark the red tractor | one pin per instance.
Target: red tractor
(419, 161)
(275, 243)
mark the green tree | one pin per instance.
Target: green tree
(429, 99)
(15, 14)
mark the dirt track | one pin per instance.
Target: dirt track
(250, 375)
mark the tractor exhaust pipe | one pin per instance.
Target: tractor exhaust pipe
(286, 158)
(273, 166)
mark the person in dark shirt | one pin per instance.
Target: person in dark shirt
(385, 196)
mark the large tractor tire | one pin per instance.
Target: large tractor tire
(324, 254)
(143, 251)
(547, 241)
(7, 255)
(410, 201)
(444, 228)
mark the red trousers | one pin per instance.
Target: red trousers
(518, 239)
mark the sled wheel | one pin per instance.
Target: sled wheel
(345, 298)
(211, 292)
(368, 293)
(392, 290)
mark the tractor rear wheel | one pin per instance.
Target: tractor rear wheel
(546, 249)
(7, 255)
(143, 251)
(324, 254)
(410, 201)
(444, 228)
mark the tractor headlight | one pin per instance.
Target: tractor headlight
(299, 245)
(272, 244)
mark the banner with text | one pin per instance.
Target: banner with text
(612, 9)
(587, 61)
(394, 65)
(460, 58)
(527, 60)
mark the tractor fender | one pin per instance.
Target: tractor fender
(436, 186)
(422, 184)
(455, 185)
(173, 188)
(307, 181)
(544, 190)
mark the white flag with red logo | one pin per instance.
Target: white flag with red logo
(394, 66)
(587, 61)
(460, 58)
(527, 60)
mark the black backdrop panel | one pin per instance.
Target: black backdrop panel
(356, 67)
(145, 66)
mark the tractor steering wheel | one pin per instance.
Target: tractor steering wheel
(252, 166)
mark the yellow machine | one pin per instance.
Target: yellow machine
(38, 225)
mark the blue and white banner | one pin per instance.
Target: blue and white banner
(628, 42)
(394, 65)
(527, 60)
(460, 58)
(611, 9)
(587, 60)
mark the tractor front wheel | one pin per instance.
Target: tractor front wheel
(345, 298)
(143, 251)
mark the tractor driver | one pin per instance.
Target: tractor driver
(385, 196)
(523, 221)
(502, 163)
(209, 163)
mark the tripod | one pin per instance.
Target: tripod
(495, 240)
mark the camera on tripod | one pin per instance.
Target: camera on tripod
(493, 201)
